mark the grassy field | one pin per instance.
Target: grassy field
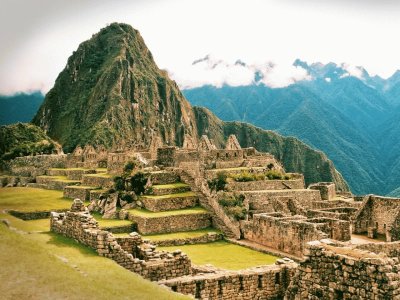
(31, 199)
(149, 214)
(224, 255)
(37, 264)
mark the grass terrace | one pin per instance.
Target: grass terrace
(110, 222)
(224, 255)
(32, 199)
(149, 214)
(48, 266)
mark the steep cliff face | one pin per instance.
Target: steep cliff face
(112, 92)
(294, 154)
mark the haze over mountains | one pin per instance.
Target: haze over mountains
(351, 116)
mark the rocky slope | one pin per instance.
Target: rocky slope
(111, 91)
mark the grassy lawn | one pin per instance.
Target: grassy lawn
(186, 194)
(32, 199)
(224, 255)
(49, 266)
(170, 186)
(83, 187)
(181, 235)
(110, 222)
(149, 214)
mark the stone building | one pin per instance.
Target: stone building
(379, 217)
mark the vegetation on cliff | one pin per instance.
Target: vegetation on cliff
(111, 90)
(23, 139)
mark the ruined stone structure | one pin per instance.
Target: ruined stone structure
(278, 215)
(379, 217)
(334, 271)
(132, 252)
(327, 189)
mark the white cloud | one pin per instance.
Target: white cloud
(353, 70)
(38, 36)
(211, 70)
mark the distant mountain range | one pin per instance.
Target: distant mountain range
(20, 107)
(351, 116)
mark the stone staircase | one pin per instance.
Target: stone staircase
(171, 207)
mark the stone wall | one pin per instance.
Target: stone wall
(141, 258)
(97, 180)
(266, 185)
(32, 166)
(331, 271)
(380, 214)
(265, 200)
(266, 282)
(327, 189)
(33, 215)
(172, 223)
(290, 234)
(203, 239)
(172, 203)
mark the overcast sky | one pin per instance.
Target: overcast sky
(37, 36)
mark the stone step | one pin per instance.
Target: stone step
(163, 177)
(170, 202)
(171, 221)
(166, 189)
(78, 191)
(55, 182)
(115, 225)
(103, 180)
(70, 173)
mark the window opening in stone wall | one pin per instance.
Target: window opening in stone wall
(259, 281)
(277, 278)
(241, 283)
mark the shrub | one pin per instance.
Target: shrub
(233, 205)
(243, 177)
(237, 212)
(129, 166)
(126, 197)
(119, 183)
(218, 183)
(138, 183)
(273, 174)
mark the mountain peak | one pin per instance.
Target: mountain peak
(111, 90)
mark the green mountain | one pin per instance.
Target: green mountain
(23, 139)
(353, 120)
(111, 91)
(20, 107)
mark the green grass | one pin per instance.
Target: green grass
(224, 255)
(149, 214)
(181, 235)
(170, 186)
(59, 178)
(186, 194)
(31, 199)
(83, 187)
(49, 266)
(110, 222)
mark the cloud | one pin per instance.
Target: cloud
(211, 70)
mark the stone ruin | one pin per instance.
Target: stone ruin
(344, 247)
